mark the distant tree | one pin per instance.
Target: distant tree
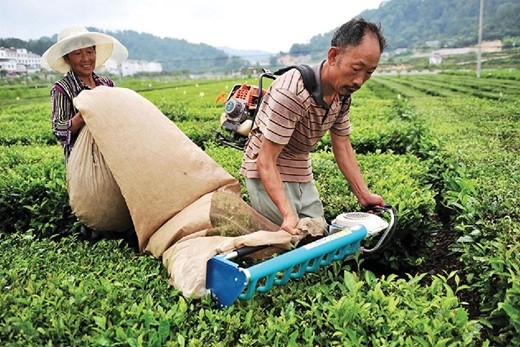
(273, 61)
(236, 64)
(511, 42)
(299, 49)
(39, 46)
(12, 42)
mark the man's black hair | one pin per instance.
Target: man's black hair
(352, 32)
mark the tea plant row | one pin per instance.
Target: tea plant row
(449, 158)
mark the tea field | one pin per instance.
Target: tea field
(443, 149)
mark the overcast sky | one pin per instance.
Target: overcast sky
(249, 24)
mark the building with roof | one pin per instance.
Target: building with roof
(19, 60)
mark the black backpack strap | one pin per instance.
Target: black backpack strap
(309, 78)
(309, 81)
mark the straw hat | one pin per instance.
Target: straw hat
(77, 37)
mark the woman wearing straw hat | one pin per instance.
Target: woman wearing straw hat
(76, 54)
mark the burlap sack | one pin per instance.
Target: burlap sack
(159, 170)
(94, 196)
(216, 213)
(194, 218)
(186, 260)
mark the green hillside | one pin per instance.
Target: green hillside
(413, 23)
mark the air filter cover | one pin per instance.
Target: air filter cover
(370, 221)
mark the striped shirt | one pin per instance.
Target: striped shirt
(62, 95)
(290, 116)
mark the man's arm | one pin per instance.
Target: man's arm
(266, 165)
(347, 163)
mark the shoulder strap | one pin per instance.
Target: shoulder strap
(309, 79)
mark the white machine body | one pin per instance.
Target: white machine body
(373, 223)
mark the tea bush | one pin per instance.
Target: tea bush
(479, 189)
(400, 181)
(200, 133)
(461, 153)
(25, 125)
(67, 292)
(32, 191)
(21, 95)
(390, 132)
(497, 278)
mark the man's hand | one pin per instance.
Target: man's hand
(371, 200)
(273, 184)
(290, 223)
(347, 163)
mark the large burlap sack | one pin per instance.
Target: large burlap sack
(186, 260)
(217, 213)
(94, 196)
(159, 170)
(194, 218)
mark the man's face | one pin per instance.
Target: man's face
(82, 61)
(354, 65)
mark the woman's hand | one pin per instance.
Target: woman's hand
(76, 123)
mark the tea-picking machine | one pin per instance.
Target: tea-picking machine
(240, 107)
(242, 103)
(227, 276)
(228, 279)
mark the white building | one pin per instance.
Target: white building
(19, 60)
(131, 67)
(435, 59)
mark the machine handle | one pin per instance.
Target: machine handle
(390, 229)
(375, 208)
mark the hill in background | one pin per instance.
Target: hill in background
(441, 23)
(406, 23)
